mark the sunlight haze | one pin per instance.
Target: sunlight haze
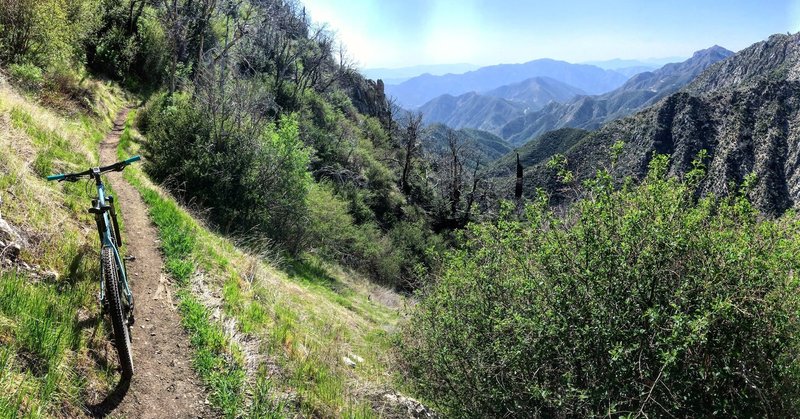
(395, 33)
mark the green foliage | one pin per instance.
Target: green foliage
(28, 76)
(115, 52)
(640, 301)
(37, 324)
(332, 232)
(46, 32)
(131, 45)
(254, 184)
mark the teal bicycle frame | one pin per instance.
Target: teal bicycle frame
(107, 225)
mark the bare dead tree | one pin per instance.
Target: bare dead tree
(473, 192)
(455, 147)
(411, 127)
(135, 9)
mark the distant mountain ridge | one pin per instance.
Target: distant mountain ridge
(471, 110)
(419, 90)
(744, 111)
(487, 147)
(536, 92)
(401, 74)
(589, 112)
(492, 110)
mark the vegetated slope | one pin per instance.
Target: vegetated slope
(493, 109)
(744, 111)
(471, 110)
(537, 151)
(56, 356)
(310, 339)
(485, 147)
(638, 299)
(418, 90)
(589, 112)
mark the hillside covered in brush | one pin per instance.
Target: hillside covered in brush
(740, 111)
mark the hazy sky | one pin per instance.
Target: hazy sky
(399, 33)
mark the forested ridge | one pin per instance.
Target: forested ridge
(624, 282)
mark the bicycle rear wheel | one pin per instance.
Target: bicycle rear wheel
(119, 315)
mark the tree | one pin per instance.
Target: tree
(410, 145)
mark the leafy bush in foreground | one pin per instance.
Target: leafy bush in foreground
(640, 301)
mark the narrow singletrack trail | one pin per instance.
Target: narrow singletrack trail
(164, 384)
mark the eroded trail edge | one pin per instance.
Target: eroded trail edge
(164, 383)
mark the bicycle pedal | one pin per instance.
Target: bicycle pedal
(130, 258)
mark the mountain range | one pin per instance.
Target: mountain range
(743, 111)
(417, 91)
(589, 112)
(521, 111)
(492, 110)
(399, 75)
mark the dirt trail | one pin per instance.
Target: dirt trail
(164, 384)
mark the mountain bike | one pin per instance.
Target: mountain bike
(115, 295)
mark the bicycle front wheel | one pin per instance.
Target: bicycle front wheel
(119, 317)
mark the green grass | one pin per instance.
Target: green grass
(304, 321)
(40, 326)
(217, 361)
(52, 339)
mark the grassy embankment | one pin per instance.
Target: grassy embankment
(53, 348)
(271, 342)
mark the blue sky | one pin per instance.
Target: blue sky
(400, 33)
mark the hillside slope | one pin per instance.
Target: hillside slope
(309, 338)
(305, 337)
(484, 146)
(54, 349)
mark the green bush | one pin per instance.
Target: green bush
(46, 32)
(332, 233)
(28, 76)
(643, 301)
(250, 184)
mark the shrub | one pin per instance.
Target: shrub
(251, 184)
(332, 233)
(640, 301)
(28, 76)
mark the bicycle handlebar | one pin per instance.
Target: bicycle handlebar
(118, 166)
(133, 159)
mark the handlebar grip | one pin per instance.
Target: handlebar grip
(133, 159)
(56, 177)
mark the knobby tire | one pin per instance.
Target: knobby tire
(122, 337)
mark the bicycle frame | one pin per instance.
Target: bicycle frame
(103, 216)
